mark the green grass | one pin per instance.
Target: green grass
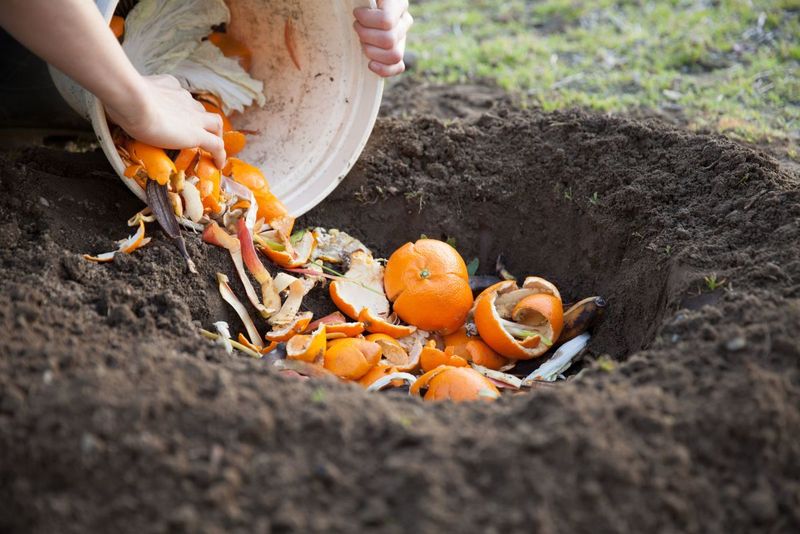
(727, 65)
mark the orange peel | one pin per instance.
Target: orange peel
(378, 325)
(361, 287)
(351, 358)
(431, 358)
(286, 254)
(286, 332)
(495, 306)
(126, 246)
(457, 384)
(482, 354)
(396, 356)
(307, 347)
(153, 160)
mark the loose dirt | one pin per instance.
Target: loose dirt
(115, 415)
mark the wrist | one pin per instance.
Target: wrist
(130, 103)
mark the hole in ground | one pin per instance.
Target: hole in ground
(500, 186)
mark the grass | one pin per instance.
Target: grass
(728, 65)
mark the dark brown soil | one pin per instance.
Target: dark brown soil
(116, 416)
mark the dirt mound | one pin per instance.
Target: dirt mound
(116, 416)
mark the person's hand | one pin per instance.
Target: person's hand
(383, 34)
(165, 115)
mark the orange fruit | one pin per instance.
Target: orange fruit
(232, 48)
(431, 358)
(428, 283)
(482, 354)
(351, 358)
(497, 305)
(457, 384)
(458, 340)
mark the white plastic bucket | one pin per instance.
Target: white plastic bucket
(316, 120)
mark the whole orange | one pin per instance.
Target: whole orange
(428, 283)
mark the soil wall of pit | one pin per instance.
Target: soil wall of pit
(115, 415)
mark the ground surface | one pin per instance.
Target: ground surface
(115, 415)
(729, 65)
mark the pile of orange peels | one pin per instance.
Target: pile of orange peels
(410, 321)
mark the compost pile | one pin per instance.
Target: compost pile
(116, 414)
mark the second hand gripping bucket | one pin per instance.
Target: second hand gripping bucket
(317, 118)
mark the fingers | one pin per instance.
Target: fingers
(387, 57)
(387, 71)
(212, 123)
(214, 144)
(384, 38)
(384, 18)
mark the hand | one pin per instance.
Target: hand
(165, 115)
(383, 34)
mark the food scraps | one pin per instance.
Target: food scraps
(420, 321)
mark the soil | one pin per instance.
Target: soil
(115, 415)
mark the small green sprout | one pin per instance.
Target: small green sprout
(712, 283)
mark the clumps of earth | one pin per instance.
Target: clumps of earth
(116, 414)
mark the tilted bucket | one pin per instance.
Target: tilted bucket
(316, 120)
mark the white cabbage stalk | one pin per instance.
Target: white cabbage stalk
(207, 69)
(165, 37)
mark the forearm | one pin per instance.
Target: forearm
(72, 36)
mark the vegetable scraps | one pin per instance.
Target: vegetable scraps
(412, 321)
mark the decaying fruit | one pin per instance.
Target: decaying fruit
(428, 283)
(351, 358)
(431, 357)
(457, 384)
(519, 323)
(582, 316)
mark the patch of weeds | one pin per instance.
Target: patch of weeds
(568, 193)
(594, 200)
(712, 283)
